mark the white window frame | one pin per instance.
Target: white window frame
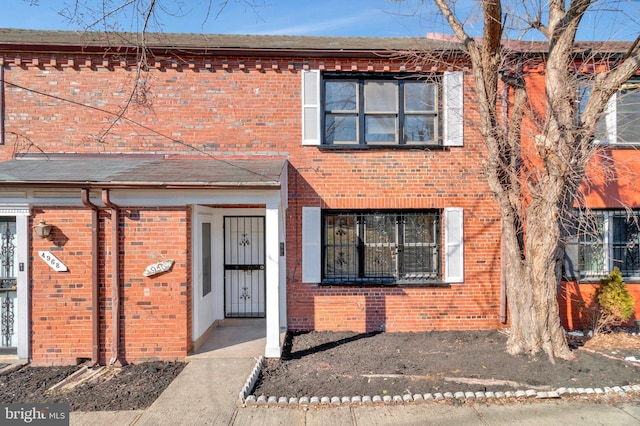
(608, 246)
(453, 247)
(449, 117)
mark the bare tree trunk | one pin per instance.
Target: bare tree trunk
(532, 287)
(534, 200)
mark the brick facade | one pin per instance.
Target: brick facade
(221, 107)
(154, 323)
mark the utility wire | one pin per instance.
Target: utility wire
(105, 111)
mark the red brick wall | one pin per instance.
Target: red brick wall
(395, 179)
(153, 309)
(243, 111)
(61, 301)
(575, 299)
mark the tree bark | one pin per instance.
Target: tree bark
(536, 188)
(532, 283)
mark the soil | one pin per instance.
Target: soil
(134, 387)
(348, 364)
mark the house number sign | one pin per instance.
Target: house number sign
(55, 263)
(158, 268)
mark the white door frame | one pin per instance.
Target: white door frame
(21, 213)
(210, 308)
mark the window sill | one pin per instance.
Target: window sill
(390, 283)
(619, 145)
(596, 280)
(381, 146)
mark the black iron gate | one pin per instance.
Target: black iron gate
(8, 282)
(244, 267)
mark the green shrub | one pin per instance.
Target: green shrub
(614, 303)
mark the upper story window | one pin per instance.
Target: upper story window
(364, 110)
(372, 110)
(627, 113)
(620, 122)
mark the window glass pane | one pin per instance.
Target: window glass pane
(8, 248)
(341, 235)
(419, 128)
(379, 262)
(340, 95)
(380, 128)
(420, 229)
(419, 96)
(420, 253)
(420, 261)
(380, 247)
(341, 128)
(626, 255)
(584, 92)
(380, 229)
(628, 114)
(206, 258)
(341, 262)
(380, 96)
(591, 253)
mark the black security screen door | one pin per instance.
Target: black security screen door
(244, 267)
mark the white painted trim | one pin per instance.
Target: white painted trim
(214, 300)
(23, 287)
(454, 244)
(311, 244)
(15, 210)
(283, 269)
(273, 347)
(148, 198)
(611, 119)
(310, 107)
(453, 109)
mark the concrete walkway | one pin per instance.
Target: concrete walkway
(206, 393)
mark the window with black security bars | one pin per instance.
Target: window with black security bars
(608, 239)
(381, 247)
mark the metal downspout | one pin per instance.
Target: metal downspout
(115, 274)
(95, 287)
(503, 265)
(2, 135)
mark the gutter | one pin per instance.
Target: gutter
(138, 185)
(115, 278)
(95, 287)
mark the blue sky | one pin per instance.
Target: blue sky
(384, 18)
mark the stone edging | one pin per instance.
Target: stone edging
(251, 381)
(246, 398)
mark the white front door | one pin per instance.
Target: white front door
(244, 267)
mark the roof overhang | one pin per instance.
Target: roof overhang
(143, 173)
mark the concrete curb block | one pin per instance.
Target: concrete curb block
(251, 381)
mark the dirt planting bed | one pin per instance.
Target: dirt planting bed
(350, 364)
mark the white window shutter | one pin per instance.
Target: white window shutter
(310, 107)
(311, 249)
(454, 245)
(453, 121)
(611, 120)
